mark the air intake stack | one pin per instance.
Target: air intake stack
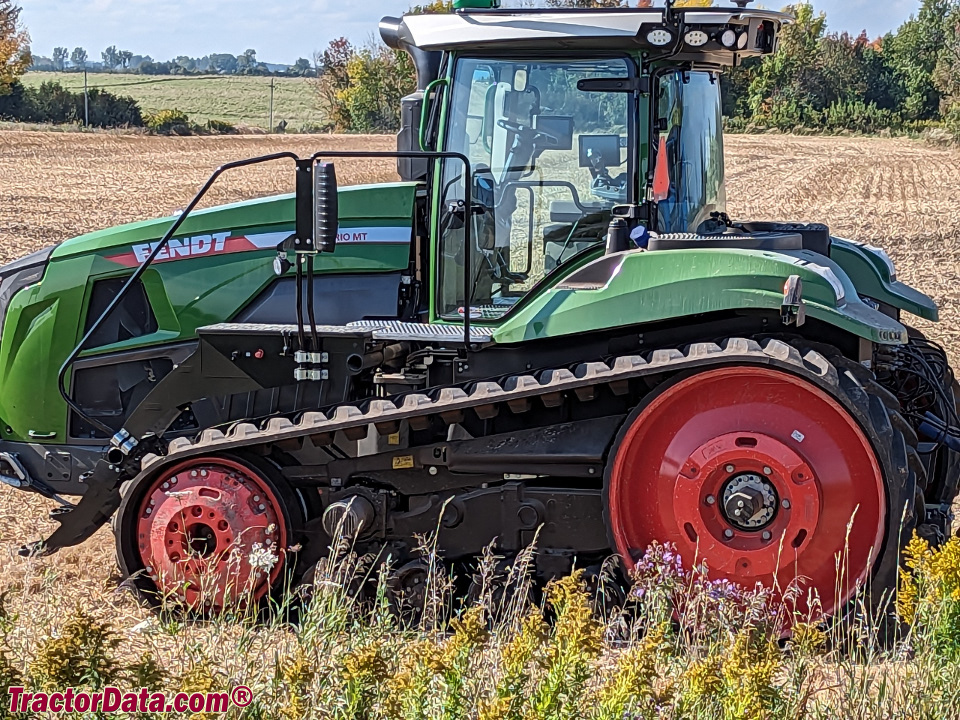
(427, 64)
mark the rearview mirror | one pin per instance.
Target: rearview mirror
(326, 210)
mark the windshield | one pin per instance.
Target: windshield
(688, 182)
(549, 160)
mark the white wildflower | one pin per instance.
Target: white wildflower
(261, 558)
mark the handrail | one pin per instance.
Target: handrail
(178, 222)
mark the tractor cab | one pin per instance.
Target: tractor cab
(569, 119)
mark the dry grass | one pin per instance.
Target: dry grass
(896, 193)
(241, 100)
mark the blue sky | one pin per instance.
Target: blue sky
(283, 31)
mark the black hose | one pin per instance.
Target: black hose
(315, 337)
(301, 334)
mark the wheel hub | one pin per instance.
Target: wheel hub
(749, 502)
(758, 474)
(211, 533)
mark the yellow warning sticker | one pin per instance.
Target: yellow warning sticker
(393, 439)
(403, 462)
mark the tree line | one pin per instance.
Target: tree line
(907, 80)
(115, 60)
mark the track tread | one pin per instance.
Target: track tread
(876, 410)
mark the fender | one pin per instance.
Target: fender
(873, 273)
(637, 287)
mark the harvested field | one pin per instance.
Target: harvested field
(896, 193)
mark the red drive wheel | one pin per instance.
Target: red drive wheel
(758, 473)
(211, 533)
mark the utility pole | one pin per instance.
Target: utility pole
(86, 100)
(272, 82)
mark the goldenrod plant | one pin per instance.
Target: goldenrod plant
(680, 646)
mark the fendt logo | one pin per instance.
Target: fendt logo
(187, 247)
(219, 243)
(226, 243)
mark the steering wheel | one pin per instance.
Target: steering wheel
(513, 127)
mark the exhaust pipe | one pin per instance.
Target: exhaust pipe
(396, 35)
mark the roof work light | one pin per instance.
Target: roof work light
(475, 4)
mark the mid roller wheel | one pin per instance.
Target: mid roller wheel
(767, 476)
(208, 534)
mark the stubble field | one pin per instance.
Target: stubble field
(897, 193)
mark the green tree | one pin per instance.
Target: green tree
(436, 6)
(60, 55)
(786, 87)
(111, 58)
(915, 52)
(14, 46)
(247, 62)
(302, 67)
(223, 63)
(587, 3)
(79, 57)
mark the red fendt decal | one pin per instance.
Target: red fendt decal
(225, 243)
(176, 249)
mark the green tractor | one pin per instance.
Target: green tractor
(549, 331)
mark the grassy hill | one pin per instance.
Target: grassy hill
(239, 100)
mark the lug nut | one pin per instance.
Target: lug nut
(728, 534)
(767, 471)
(730, 468)
(786, 504)
(767, 536)
(711, 500)
(262, 506)
(256, 498)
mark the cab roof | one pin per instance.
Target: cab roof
(616, 28)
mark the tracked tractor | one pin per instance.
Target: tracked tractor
(549, 331)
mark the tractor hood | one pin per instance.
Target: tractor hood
(375, 214)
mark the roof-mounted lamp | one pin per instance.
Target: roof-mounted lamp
(475, 4)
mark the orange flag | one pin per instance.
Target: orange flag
(661, 177)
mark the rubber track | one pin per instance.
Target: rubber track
(875, 409)
(483, 397)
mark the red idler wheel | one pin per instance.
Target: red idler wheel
(761, 474)
(212, 534)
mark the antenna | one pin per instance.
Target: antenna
(742, 4)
